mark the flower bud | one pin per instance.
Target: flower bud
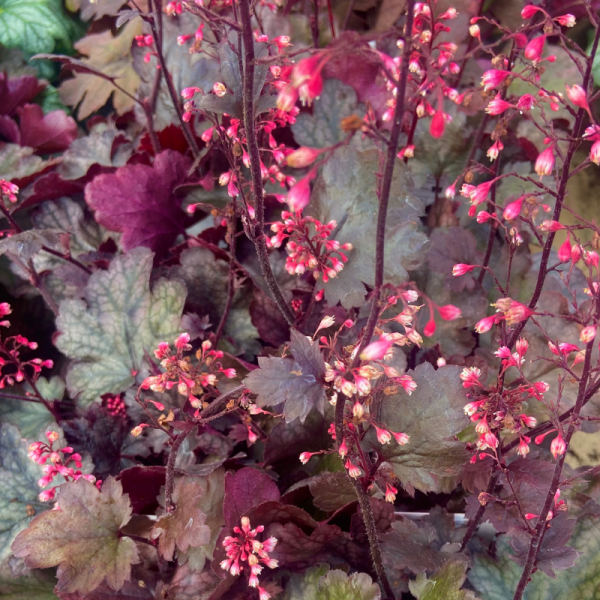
(302, 157)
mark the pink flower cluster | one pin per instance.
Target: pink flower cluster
(8, 189)
(309, 248)
(246, 548)
(56, 462)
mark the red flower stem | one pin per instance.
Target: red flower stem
(541, 527)
(231, 226)
(253, 153)
(577, 130)
(185, 127)
(384, 197)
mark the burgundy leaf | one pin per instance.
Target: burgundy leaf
(266, 317)
(17, 90)
(245, 490)
(9, 130)
(138, 201)
(48, 133)
(143, 486)
(49, 186)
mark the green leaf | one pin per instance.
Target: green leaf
(19, 489)
(32, 585)
(346, 193)
(306, 586)
(337, 585)
(34, 25)
(49, 100)
(298, 383)
(82, 537)
(322, 128)
(444, 584)
(431, 417)
(121, 318)
(497, 578)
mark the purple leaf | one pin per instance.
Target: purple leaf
(138, 201)
(48, 133)
(297, 382)
(16, 91)
(553, 554)
(245, 490)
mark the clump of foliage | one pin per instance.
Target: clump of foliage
(301, 301)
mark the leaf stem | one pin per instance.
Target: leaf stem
(253, 153)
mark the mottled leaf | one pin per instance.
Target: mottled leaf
(444, 584)
(138, 201)
(305, 586)
(105, 146)
(112, 56)
(337, 585)
(25, 245)
(432, 416)
(19, 490)
(33, 417)
(297, 382)
(82, 538)
(245, 490)
(92, 9)
(17, 162)
(322, 128)
(185, 527)
(121, 318)
(346, 193)
(30, 585)
(192, 585)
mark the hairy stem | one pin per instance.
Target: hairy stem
(231, 278)
(253, 153)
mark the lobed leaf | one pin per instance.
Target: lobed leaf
(82, 537)
(297, 382)
(121, 318)
(432, 416)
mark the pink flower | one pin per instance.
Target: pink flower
(578, 96)
(470, 376)
(353, 470)
(564, 252)
(566, 20)
(407, 382)
(558, 446)
(494, 150)
(528, 421)
(526, 102)
(437, 124)
(483, 216)
(305, 457)
(401, 438)
(383, 436)
(461, 269)
(513, 209)
(479, 194)
(535, 48)
(497, 106)
(588, 334)
(485, 325)
(551, 226)
(376, 350)
(545, 162)
(502, 352)
(287, 98)
(299, 195)
(449, 312)
(302, 157)
(183, 342)
(523, 449)
(595, 153)
(522, 346)
(429, 329)
(493, 78)
(390, 493)
(190, 92)
(529, 11)
(343, 449)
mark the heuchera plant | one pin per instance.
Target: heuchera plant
(316, 289)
